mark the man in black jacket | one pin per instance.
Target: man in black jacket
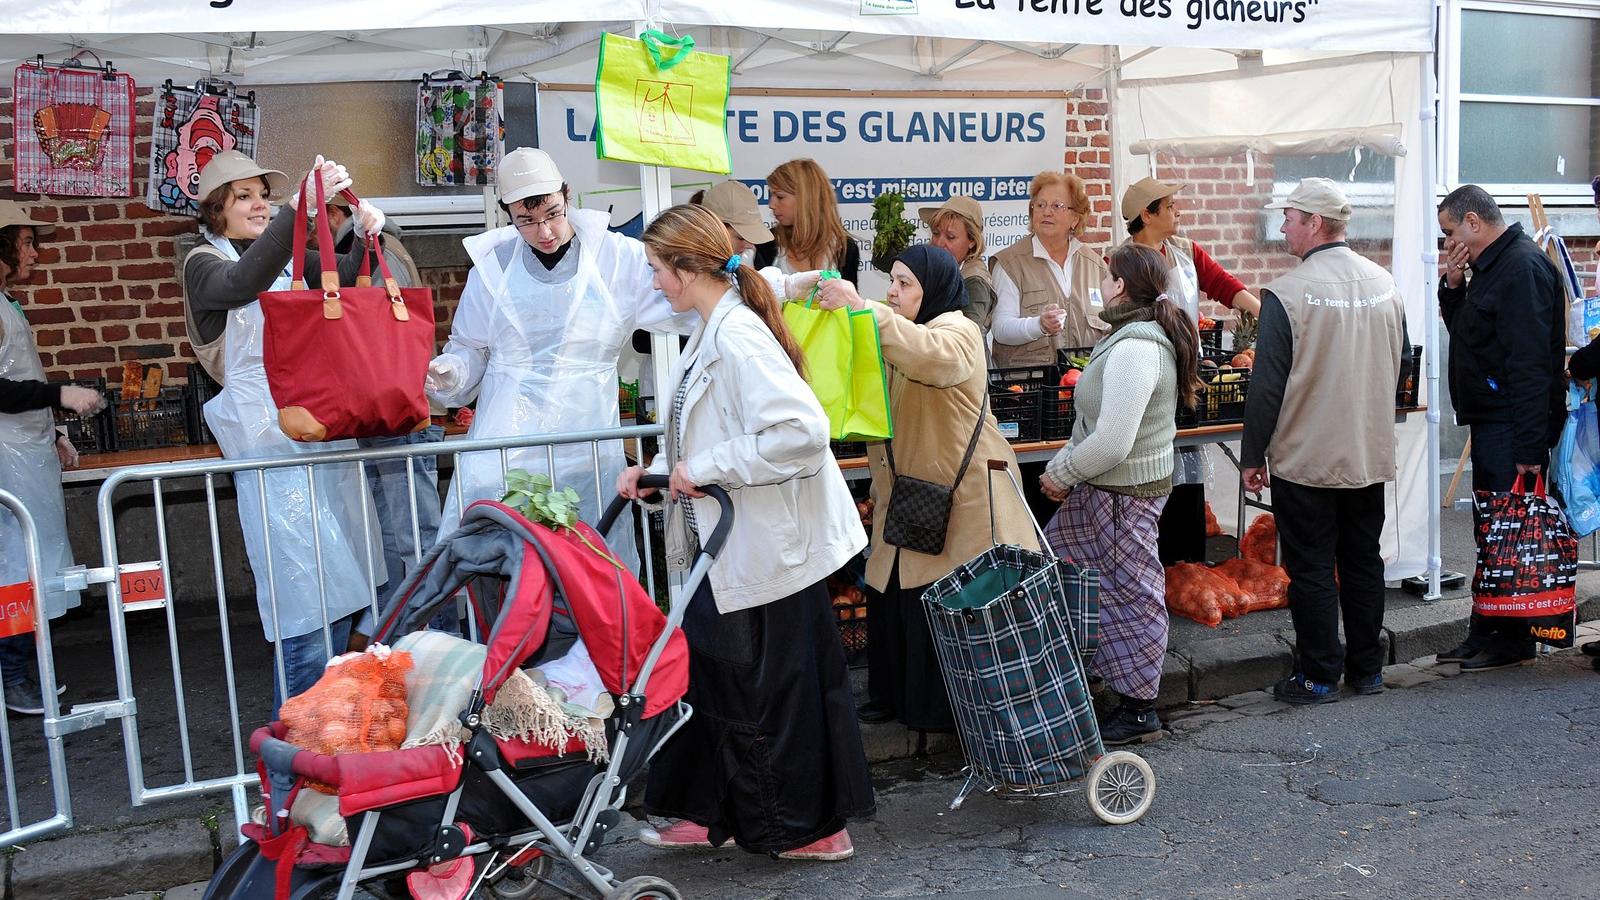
(1507, 358)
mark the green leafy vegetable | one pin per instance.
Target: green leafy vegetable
(535, 496)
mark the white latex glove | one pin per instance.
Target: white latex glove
(81, 400)
(1053, 319)
(369, 219)
(334, 179)
(66, 453)
(798, 286)
(444, 376)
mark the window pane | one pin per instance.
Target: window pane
(1516, 143)
(1536, 56)
(1355, 166)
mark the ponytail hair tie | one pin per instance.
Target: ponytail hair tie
(732, 265)
(1162, 296)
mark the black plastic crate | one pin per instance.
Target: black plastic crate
(847, 590)
(196, 394)
(1058, 413)
(1406, 393)
(91, 434)
(149, 423)
(848, 449)
(1224, 397)
(1016, 398)
(1211, 339)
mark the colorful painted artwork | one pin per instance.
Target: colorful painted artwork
(458, 132)
(74, 131)
(191, 127)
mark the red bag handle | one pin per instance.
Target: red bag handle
(331, 308)
(1538, 484)
(397, 303)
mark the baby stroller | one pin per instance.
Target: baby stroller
(513, 806)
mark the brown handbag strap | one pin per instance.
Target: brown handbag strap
(972, 443)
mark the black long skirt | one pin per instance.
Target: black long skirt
(903, 670)
(772, 757)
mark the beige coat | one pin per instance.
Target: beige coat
(937, 381)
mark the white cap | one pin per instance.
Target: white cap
(526, 172)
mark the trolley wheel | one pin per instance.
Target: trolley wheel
(642, 887)
(1121, 787)
(522, 882)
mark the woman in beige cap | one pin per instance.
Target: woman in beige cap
(310, 563)
(1046, 284)
(957, 226)
(31, 455)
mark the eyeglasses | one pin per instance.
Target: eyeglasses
(549, 220)
(1041, 206)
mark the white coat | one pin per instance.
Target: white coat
(751, 424)
(539, 348)
(245, 422)
(30, 469)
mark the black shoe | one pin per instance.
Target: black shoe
(1461, 653)
(1134, 722)
(1591, 649)
(25, 698)
(1366, 687)
(1302, 691)
(874, 713)
(1498, 658)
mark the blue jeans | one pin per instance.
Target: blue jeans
(18, 662)
(305, 656)
(391, 497)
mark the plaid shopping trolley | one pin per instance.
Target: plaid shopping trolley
(1015, 630)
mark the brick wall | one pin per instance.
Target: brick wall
(105, 290)
(1088, 156)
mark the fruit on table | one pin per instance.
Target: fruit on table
(1070, 377)
(1206, 324)
(1014, 388)
(1242, 361)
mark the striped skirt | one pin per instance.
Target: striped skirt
(1117, 534)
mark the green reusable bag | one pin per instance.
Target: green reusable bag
(844, 366)
(660, 102)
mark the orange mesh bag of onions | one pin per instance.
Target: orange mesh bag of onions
(357, 706)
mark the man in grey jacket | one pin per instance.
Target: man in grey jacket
(1321, 409)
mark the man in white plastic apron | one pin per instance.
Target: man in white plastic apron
(31, 456)
(551, 302)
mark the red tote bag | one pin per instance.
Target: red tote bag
(346, 362)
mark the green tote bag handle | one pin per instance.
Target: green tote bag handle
(654, 41)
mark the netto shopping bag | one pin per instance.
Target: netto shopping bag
(1527, 563)
(660, 102)
(844, 366)
(346, 362)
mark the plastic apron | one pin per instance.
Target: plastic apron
(30, 469)
(541, 352)
(245, 422)
(1183, 286)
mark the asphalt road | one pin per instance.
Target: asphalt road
(1464, 787)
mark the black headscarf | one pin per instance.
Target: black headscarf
(943, 288)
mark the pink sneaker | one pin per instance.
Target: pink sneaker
(832, 848)
(680, 835)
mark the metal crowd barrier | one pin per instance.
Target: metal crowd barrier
(202, 744)
(27, 600)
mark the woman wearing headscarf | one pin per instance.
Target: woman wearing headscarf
(938, 399)
(957, 227)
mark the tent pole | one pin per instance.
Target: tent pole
(1430, 266)
(1113, 83)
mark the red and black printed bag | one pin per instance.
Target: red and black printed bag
(1527, 563)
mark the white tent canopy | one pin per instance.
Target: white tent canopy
(1298, 76)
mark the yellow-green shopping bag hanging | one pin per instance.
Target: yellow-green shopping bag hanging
(869, 418)
(825, 342)
(660, 102)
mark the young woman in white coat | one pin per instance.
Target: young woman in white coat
(552, 300)
(311, 563)
(772, 758)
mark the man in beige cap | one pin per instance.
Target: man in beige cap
(1321, 413)
(957, 227)
(31, 455)
(736, 205)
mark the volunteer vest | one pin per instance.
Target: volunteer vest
(210, 353)
(1336, 426)
(1037, 288)
(1149, 462)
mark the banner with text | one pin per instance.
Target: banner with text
(1403, 26)
(925, 149)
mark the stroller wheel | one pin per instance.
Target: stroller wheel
(522, 882)
(1121, 787)
(642, 887)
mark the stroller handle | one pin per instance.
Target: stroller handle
(719, 534)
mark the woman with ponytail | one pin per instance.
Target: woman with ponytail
(772, 758)
(1115, 476)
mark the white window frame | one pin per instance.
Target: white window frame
(1452, 97)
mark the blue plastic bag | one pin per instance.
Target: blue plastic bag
(1577, 462)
